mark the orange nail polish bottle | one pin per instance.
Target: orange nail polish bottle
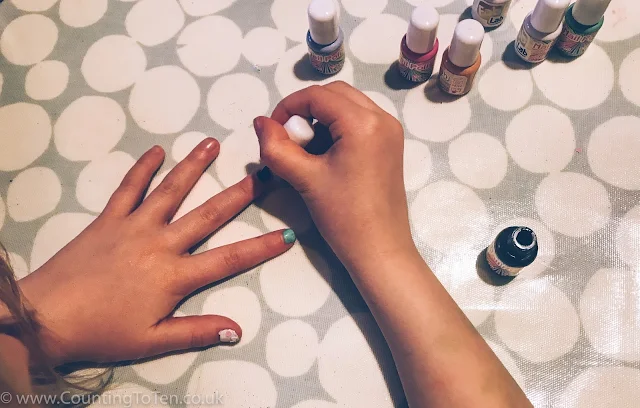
(461, 61)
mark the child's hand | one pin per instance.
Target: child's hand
(355, 191)
(109, 294)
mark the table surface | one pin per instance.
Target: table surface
(88, 85)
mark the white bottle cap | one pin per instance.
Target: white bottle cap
(466, 43)
(548, 14)
(589, 12)
(323, 21)
(299, 130)
(423, 28)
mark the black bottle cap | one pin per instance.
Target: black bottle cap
(517, 246)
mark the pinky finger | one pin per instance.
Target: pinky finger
(131, 190)
(220, 263)
(182, 333)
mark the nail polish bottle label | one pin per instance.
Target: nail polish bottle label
(415, 71)
(451, 83)
(327, 64)
(530, 49)
(490, 15)
(497, 265)
(574, 44)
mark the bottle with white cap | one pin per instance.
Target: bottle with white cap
(540, 30)
(325, 38)
(490, 13)
(461, 61)
(582, 22)
(299, 130)
(419, 46)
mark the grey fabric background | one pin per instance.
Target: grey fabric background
(568, 328)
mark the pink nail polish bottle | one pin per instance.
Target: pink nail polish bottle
(325, 38)
(419, 46)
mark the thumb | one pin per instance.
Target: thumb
(181, 333)
(283, 155)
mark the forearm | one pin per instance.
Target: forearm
(441, 358)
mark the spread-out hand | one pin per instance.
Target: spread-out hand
(110, 293)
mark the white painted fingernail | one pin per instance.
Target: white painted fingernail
(228, 336)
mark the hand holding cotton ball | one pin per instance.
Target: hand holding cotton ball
(299, 130)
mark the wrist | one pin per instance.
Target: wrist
(380, 254)
(34, 295)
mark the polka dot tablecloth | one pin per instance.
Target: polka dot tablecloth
(88, 85)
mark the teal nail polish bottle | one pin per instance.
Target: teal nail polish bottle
(582, 22)
(289, 236)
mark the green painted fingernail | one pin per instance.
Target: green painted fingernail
(289, 236)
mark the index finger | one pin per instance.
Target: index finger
(315, 102)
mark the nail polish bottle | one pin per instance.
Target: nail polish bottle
(540, 30)
(513, 249)
(461, 61)
(582, 22)
(325, 39)
(419, 46)
(490, 13)
(299, 130)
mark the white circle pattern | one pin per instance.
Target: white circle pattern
(185, 69)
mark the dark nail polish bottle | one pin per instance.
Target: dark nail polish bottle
(513, 249)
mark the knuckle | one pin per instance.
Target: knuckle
(127, 187)
(198, 339)
(123, 191)
(232, 259)
(208, 215)
(169, 186)
(339, 84)
(371, 122)
(314, 91)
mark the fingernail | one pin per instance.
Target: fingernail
(264, 175)
(289, 236)
(257, 124)
(210, 143)
(228, 336)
